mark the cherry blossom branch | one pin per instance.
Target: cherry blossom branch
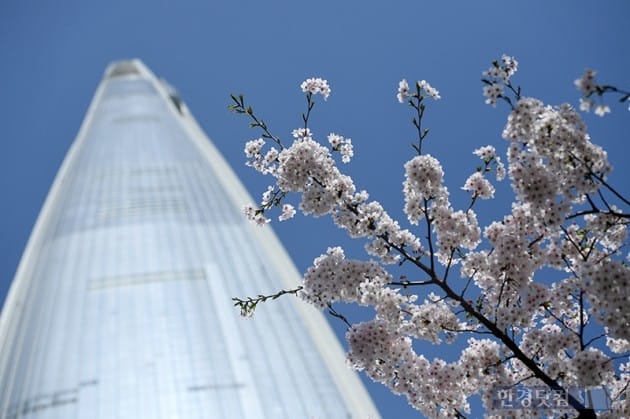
(588, 86)
(239, 107)
(600, 178)
(425, 203)
(577, 247)
(459, 414)
(518, 353)
(248, 304)
(593, 339)
(601, 89)
(582, 321)
(338, 315)
(468, 282)
(310, 103)
(535, 235)
(481, 332)
(416, 101)
(498, 77)
(610, 188)
(561, 321)
(407, 284)
(596, 211)
(498, 333)
(622, 391)
(417, 122)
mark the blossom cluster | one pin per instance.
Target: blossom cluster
(403, 91)
(425, 195)
(342, 145)
(254, 214)
(453, 229)
(307, 167)
(607, 284)
(503, 70)
(551, 156)
(262, 163)
(431, 387)
(611, 230)
(590, 90)
(587, 86)
(422, 86)
(488, 154)
(335, 278)
(479, 186)
(316, 86)
(423, 181)
(498, 76)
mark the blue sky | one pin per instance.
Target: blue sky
(53, 54)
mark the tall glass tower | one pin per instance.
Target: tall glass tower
(121, 305)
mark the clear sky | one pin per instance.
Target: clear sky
(53, 54)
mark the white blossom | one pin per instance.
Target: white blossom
(586, 104)
(302, 133)
(423, 180)
(586, 84)
(428, 89)
(335, 278)
(492, 92)
(249, 211)
(342, 145)
(479, 186)
(347, 151)
(253, 147)
(607, 284)
(601, 110)
(287, 212)
(335, 140)
(486, 153)
(403, 90)
(503, 70)
(316, 86)
(510, 65)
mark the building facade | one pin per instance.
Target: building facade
(121, 305)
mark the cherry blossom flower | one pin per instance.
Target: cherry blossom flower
(301, 133)
(255, 215)
(492, 92)
(510, 66)
(479, 186)
(403, 90)
(428, 89)
(502, 70)
(253, 147)
(586, 104)
(335, 278)
(287, 212)
(423, 180)
(586, 84)
(343, 145)
(601, 110)
(486, 153)
(316, 86)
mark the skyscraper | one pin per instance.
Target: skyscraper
(121, 305)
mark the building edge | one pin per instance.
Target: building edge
(15, 299)
(350, 385)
